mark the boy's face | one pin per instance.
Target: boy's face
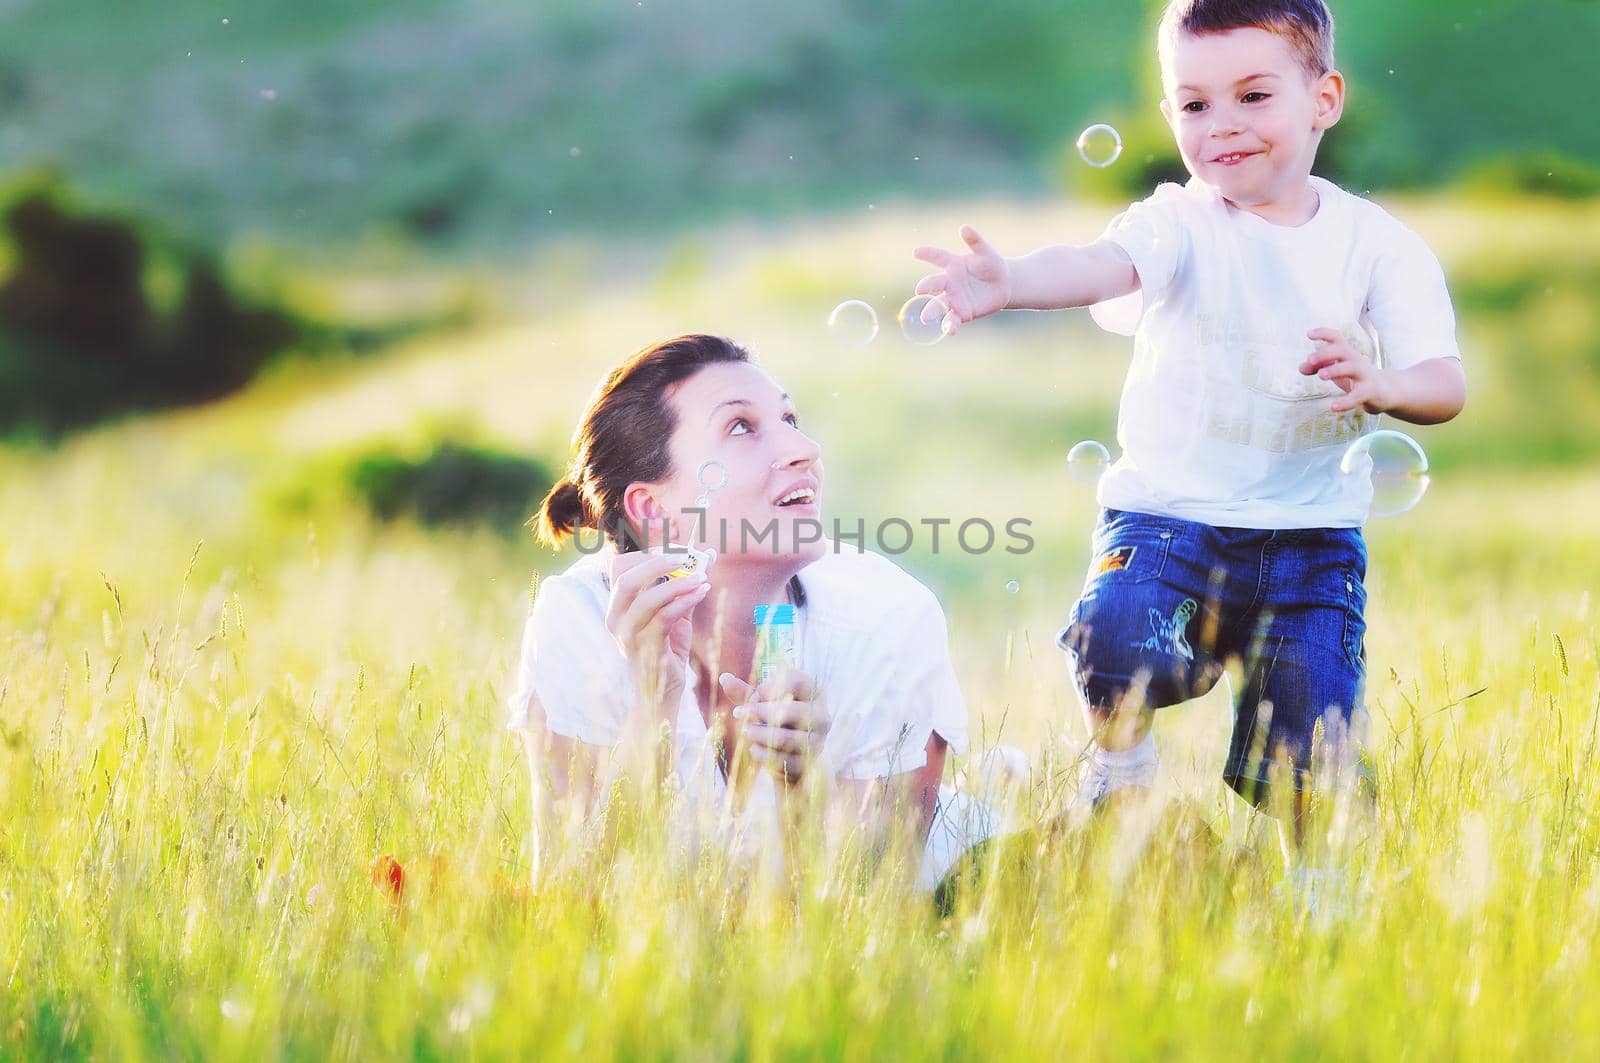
(1245, 115)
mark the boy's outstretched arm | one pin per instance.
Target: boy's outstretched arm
(982, 281)
(1430, 392)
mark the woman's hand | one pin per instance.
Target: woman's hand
(783, 723)
(651, 621)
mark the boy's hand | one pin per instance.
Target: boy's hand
(968, 287)
(1365, 386)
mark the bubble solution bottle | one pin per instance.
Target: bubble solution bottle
(777, 647)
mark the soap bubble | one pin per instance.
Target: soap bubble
(1013, 587)
(853, 323)
(1398, 468)
(924, 334)
(1100, 145)
(1088, 461)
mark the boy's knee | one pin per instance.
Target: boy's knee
(1144, 653)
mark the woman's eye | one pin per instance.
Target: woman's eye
(793, 420)
(739, 427)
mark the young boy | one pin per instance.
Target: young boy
(1251, 292)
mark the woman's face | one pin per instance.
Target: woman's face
(735, 417)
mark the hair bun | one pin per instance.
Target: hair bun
(562, 513)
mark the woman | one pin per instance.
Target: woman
(690, 443)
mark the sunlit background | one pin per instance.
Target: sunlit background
(300, 303)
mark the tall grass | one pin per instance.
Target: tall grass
(216, 716)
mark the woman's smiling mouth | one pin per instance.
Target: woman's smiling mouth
(802, 497)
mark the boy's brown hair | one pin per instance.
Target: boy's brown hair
(1306, 24)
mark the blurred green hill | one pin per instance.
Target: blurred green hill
(494, 123)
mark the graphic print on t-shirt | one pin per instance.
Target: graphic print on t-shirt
(1259, 398)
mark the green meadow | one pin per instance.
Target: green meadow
(228, 687)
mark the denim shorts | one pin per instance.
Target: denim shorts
(1168, 602)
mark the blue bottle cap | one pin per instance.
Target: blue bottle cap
(774, 614)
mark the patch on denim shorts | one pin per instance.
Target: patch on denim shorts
(1170, 635)
(1114, 560)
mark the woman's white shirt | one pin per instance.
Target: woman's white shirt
(870, 634)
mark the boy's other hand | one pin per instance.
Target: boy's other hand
(1365, 386)
(968, 286)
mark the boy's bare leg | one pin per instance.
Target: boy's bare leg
(1120, 764)
(1325, 822)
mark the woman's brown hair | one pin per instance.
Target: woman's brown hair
(624, 437)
